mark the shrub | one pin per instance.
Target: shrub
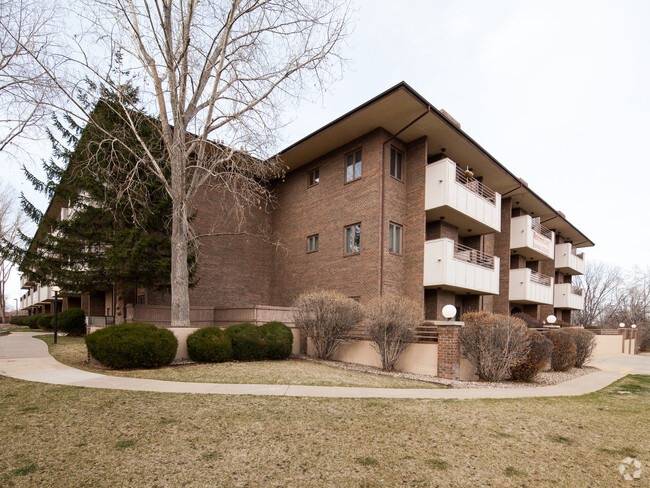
(209, 345)
(133, 345)
(326, 317)
(17, 320)
(45, 321)
(531, 322)
(247, 342)
(493, 343)
(72, 321)
(278, 340)
(390, 325)
(563, 356)
(32, 320)
(539, 351)
(585, 342)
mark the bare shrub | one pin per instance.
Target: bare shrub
(539, 352)
(531, 321)
(390, 325)
(585, 342)
(563, 357)
(493, 343)
(326, 317)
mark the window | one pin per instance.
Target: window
(141, 300)
(353, 166)
(395, 238)
(314, 177)
(352, 239)
(396, 158)
(312, 243)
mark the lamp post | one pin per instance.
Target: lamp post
(56, 291)
(551, 319)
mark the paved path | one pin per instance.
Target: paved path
(26, 358)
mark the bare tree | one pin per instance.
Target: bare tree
(214, 74)
(11, 219)
(600, 283)
(26, 35)
(390, 325)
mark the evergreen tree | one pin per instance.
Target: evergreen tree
(109, 238)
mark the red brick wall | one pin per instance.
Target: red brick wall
(448, 352)
(326, 209)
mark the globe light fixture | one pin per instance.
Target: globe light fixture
(551, 319)
(621, 325)
(449, 312)
(633, 326)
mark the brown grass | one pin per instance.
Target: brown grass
(58, 436)
(72, 351)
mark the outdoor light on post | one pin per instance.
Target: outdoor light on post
(633, 326)
(551, 319)
(621, 325)
(56, 291)
(449, 312)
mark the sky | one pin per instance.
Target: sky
(557, 91)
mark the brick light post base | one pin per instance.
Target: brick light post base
(448, 349)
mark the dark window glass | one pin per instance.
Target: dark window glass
(396, 159)
(312, 243)
(314, 177)
(395, 237)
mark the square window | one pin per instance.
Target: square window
(395, 238)
(353, 166)
(396, 159)
(312, 243)
(314, 177)
(352, 239)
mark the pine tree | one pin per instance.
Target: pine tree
(110, 239)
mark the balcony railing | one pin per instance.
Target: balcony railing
(577, 254)
(474, 256)
(541, 279)
(540, 229)
(466, 179)
(576, 291)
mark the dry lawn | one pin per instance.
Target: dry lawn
(72, 351)
(55, 436)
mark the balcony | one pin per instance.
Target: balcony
(566, 295)
(568, 260)
(459, 198)
(26, 283)
(528, 286)
(452, 266)
(530, 239)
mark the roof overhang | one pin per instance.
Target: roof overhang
(405, 114)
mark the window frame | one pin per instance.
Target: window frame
(355, 163)
(316, 180)
(352, 251)
(395, 151)
(392, 226)
(312, 238)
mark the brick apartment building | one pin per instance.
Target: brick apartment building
(391, 198)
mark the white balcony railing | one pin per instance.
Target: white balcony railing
(530, 239)
(568, 260)
(452, 266)
(461, 199)
(527, 286)
(566, 295)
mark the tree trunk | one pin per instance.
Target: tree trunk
(180, 272)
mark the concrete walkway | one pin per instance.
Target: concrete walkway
(26, 358)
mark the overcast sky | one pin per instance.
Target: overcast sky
(557, 91)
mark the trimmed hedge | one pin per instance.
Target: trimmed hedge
(563, 357)
(72, 321)
(278, 339)
(32, 320)
(45, 321)
(209, 345)
(133, 345)
(248, 342)
(539, 352)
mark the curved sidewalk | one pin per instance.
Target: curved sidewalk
(26, 358)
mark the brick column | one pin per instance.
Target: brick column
(448, 349)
